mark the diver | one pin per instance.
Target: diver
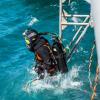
(49, 58)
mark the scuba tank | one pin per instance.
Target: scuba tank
(60, 55)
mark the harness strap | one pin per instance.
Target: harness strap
(38, 57)
(51, 53)
(36, 47)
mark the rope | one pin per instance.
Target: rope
(95, 84)
(94, 88)
(90, 63)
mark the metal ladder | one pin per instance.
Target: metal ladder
(63, 23)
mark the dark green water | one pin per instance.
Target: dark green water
(16, 62)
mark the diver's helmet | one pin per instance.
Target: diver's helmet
(30, 36)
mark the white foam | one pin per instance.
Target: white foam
(57, 83)
(33, 21)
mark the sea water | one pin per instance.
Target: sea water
(17, 63)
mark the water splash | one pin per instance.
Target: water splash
(57, 83)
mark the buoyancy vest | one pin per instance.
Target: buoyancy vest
(44, 55)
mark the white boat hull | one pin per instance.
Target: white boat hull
(95, 9)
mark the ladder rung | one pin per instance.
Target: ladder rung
(66, 15)
(73, 23)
